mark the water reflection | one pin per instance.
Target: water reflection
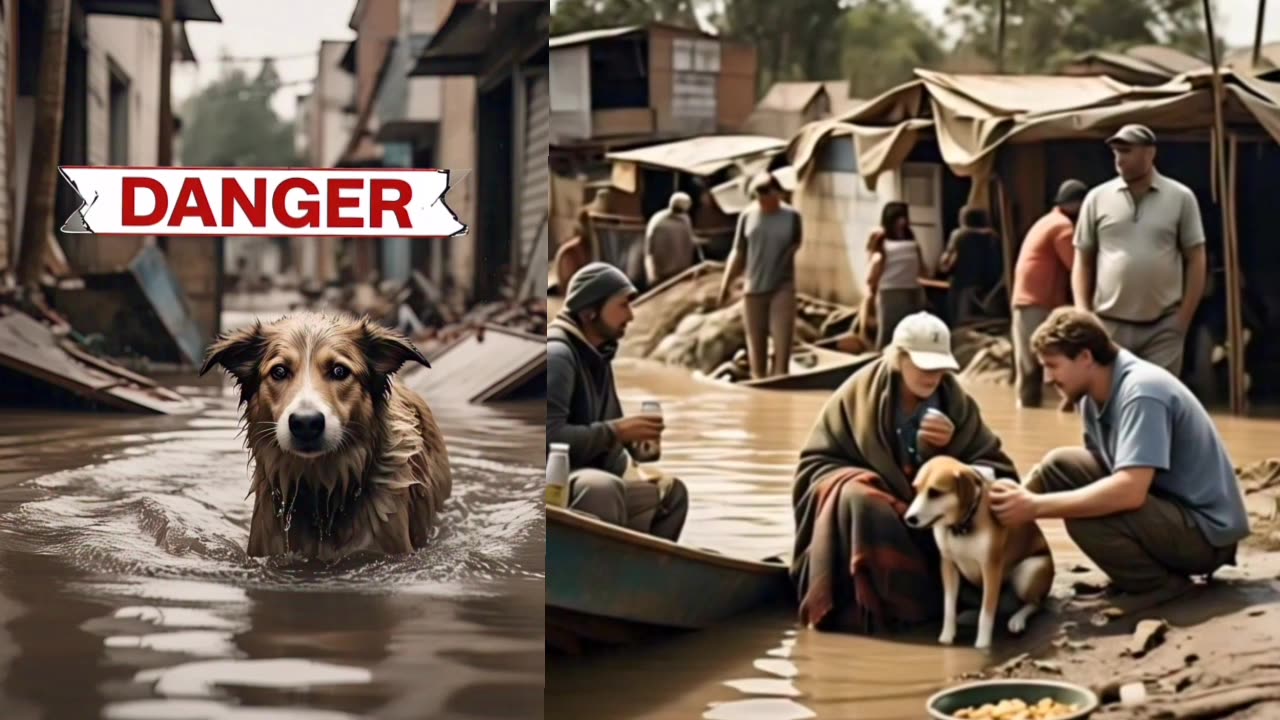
(736, 449)
(125, 591)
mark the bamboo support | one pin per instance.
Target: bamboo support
(1235, 305)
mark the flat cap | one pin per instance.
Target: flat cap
(1133, 135)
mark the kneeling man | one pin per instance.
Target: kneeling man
(1153, 498)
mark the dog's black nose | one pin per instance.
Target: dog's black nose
(306, 426)
(913, 521)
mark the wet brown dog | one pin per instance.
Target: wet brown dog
(953, 499)
(346, 459)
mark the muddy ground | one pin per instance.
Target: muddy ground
(1211, 654)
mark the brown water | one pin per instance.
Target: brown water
(736, 448)
(125, 591)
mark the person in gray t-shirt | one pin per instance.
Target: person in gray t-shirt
(765, 243)
(1152, 498)
(1140, 255)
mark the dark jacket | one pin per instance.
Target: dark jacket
(581, 400)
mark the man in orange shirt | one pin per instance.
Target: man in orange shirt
(1042, 282)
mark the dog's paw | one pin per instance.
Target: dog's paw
(948, 637)
(1017, 624)
(982, 644)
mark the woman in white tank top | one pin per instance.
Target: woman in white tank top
(894, 274)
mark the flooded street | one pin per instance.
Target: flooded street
(736, 449)
(125, 591)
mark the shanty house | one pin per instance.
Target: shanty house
(646, 82)
(1007, 141)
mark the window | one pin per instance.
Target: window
(117, 116)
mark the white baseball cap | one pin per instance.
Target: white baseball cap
(926, 340)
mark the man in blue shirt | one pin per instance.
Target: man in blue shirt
(1152, 498)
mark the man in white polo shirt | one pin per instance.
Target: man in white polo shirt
(1140, 256)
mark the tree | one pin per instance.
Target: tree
(230, 123)
(1042, 34)
(884, 42)
(795, 40)
(578, 15)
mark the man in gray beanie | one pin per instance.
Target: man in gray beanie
(584, 413)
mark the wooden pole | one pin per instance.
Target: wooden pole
(1000, 36)
(46, 143)
(1240, 393)
(164, 153)
(1232, 270)
(11, 131)
(1257, 34)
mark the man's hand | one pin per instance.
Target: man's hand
(1013, 504)
(638, 428)
(937, 429)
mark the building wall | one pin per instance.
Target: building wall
(570, 93)
(131, 47)
(458, 154)
(333, 92)
(736, 89)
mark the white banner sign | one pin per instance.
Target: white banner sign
(261, 201)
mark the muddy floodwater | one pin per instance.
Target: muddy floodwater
(736, 449)
(125, 591)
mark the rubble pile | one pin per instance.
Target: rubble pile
(680, 323)
(985, 353)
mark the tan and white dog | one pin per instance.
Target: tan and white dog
(954, 499)
(346, 459)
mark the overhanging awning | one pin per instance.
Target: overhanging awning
(701, 156)
(471, 32)
(183, 10)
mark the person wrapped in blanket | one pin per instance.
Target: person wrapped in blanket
(856, 566)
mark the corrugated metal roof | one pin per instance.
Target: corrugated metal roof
(703, 155)
(586, 36)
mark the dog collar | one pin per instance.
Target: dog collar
(965, 526)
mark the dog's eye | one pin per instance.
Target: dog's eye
(340, 372)
(279, 372)
(934, 493)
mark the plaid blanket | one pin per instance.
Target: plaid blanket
(856, 565)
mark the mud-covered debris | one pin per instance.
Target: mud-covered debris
(1146, 637)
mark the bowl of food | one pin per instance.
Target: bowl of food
(1013, 700)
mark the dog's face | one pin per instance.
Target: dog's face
(945, 490)
(311, 384)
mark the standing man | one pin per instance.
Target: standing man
(1042, 282)
(1152, 498)
(669, 243)
(583, 410)
(1140, 257)
(766, 241)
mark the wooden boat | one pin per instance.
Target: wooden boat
(822, 369)
(611, 585)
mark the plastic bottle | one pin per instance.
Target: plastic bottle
(558, 475)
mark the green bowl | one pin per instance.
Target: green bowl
(943, 704)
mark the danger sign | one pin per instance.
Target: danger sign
(261, 201)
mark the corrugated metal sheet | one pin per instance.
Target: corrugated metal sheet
(484, 367)
(535, 190)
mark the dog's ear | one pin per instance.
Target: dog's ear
(386, 350)
(238, 352)
(968, 482)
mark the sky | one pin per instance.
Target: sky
(254, 28)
